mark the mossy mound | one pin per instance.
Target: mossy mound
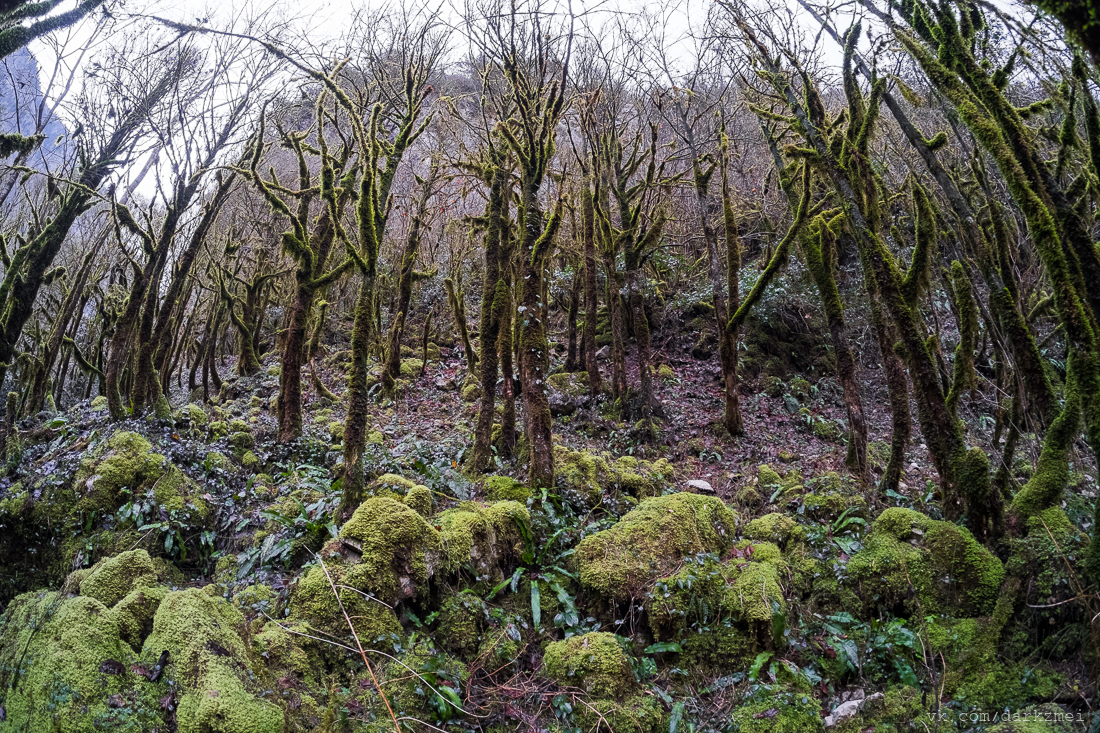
(925, 566)
(650, 542)
(589, 479)
(487, 536)
(574, 384)
(742, 593)
(209, 655)
(778, 712)
(778, 529)
(110, 580)
(1048, 718)
(313, 601)
(65, 668)
(462, 618)
(397, 549)
(505, 488)
(595, 662)
(403, 679)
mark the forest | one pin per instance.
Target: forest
(519, 366)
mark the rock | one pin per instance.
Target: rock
(603, 353)
(849, 709)
(561, 403)
(700, 485)
(447, 385)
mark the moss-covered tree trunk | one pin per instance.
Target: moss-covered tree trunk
(591, 301)
(494, 304)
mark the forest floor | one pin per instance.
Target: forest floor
(781, 597)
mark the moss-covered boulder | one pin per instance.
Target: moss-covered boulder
(129, 462)
(741, 594)
(209, 656)
(925, 566)
(65, 668)
(313, 601)
(651, 541)
(595, 662)
(791, 710)
(487, 536)
(394, 549)
(778, 529)
(573, 384)
(505, 488)
(1049, 718)
(462, 618)
(112, 579)
(589, 479)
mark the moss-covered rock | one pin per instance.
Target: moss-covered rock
(462, 618)
(398, 550)
(1049, 718)
(313, 601)
(241, 442)
(650, 542)
(778, 529)
(595, 662)
(574, 384)
(410, 368)
(590, 479)
(99, 404)
(637, 714)
(778, 712)
(218, 429)
(112, 579)
(487, 536)
(209, 656)
(743, 592)
(65, 668)
(925, 566)
(505, 488)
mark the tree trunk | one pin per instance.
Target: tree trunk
(591, 305)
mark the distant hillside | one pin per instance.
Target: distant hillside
(20, 96)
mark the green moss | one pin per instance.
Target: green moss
(241, 442)
(399, 549)
(420, 500)
(948, 570)
(251, 461)
(649, 542)
(590, 479)
(128, 463)
(203, 636)
(336, 431)
(776, 528)
(471, 392)
(410, 368)
(637, 714)
(767, 477)
(433, 352)
(162, 409)
(779, 712)
(574, 384)
(799, 387)
(772, 386)
(313, 601)
(176, 492)
(462, 618)
(218, 462)
(505, 488)
(134, 614)
(112, 579)
(99, 404)
(375, 437)
(407, 693)
(595, 662)
(665, 372)
(706, 593)
(63, 660)
(485, 535)
(218, 429)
